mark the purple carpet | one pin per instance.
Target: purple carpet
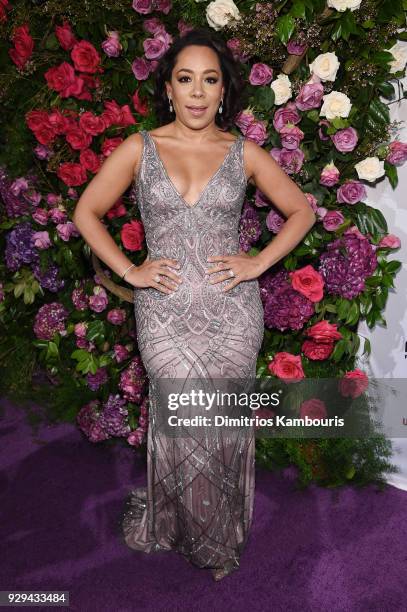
(62, 501)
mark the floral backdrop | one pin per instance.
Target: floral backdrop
(76, 80)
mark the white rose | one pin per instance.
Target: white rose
(282, 89)
(399, 52)
(342, 5)
(336, 104)
(370, 169)
(325, 66)
(221, 12)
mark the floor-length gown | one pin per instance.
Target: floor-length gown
(200, 487)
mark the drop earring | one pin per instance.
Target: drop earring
(221, 107)
(171, 108)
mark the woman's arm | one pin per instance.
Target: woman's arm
(284, 193)
(112, 179)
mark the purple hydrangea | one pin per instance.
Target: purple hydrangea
(346, 264)
(19, 249)
(113, 418)
(284, 307)
(48, 279)
(98, 379)
(133, 380)
(249, 227)
(49, 319)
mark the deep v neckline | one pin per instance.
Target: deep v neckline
(208, 184)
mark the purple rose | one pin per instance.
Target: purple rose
(260, 74)
(40, 216)
(57, 215)
(260, 199)
(345, 140)
(116, 316)
(291, 136)
(164, 6)
(329, 175)
(332, 220)
(295, 48)
(154, 48)
(111, 46)
(309, 96)
(274, 221)
(153, 25)
(99, 300)
(41, 240)
(290, 161)
(257, 132)
(67, 230)
(143, 6)
(141, 68)
(286, 114)
(351, 192)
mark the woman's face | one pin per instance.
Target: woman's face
(196, 81)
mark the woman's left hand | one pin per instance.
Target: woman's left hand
(244, 267)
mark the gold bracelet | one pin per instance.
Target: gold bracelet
(127, 269)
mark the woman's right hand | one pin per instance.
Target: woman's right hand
(146, 274)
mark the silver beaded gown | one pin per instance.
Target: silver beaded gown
(200, 485)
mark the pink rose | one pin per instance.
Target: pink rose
(286, 366)
(67, 230)
(323, 331)
(332, 220)
(57, 215)
(40, 215)
(295, 48)
(397, 153)
(313, 202)
(80, 329)
(243, 120)
(308, 282)
(99, 300)
(136, 437)
(354, 383)
(314, 350)
(153, 25)
(260, 74)
(391, 241)
(351, 192)
(313, 408)
(154, 48)
(120, 352)
(345, 140)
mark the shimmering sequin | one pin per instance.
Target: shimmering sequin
(199, 496)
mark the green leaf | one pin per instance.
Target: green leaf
(96, 331)
(285, 26)
(349, 474)
(353, 314)
(393, 266)
(298, 9)
(382, 58)
(264, 98)
(52, 351)
(391, 173)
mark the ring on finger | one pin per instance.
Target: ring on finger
(231, 273)
(157, 278)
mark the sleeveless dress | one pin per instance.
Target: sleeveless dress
(200, 486)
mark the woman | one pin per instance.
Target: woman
(197, 303)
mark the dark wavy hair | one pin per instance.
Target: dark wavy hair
(234, 99)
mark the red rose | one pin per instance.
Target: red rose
(40, 125)
(313, 408)
(85, 57)
(72, 174)
(139, 104)
(59, 122)
(63, 79)
(323, 331)
(316, 350)
(118, 210)
(308, 282)
(116, 115)
(91, 124)
(132, 235)
(89, 160)
(65, 36)
(3, 13)
(77, 138)
(23, 46)
(354, 383)
(287, 366)
(110, 144)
